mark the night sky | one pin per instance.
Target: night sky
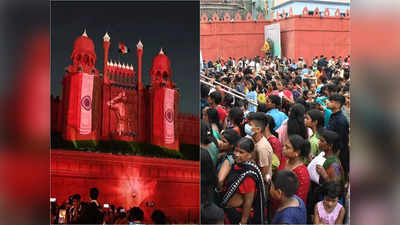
(173, 26)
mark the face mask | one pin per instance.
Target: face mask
(247, 129)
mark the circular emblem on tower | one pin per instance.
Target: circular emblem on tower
(86, 102)
(169, 115)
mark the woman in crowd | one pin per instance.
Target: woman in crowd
(206, 142)
(210, 115)
(332, 169)
(294, 124)
(272, 138)
(315, 120)
(235, 120)
(295, 149)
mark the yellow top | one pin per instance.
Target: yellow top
(265, 48)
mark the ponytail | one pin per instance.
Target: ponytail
(299, 143)
(269, 120)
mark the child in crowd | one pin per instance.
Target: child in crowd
(330, 211)
(291, 209)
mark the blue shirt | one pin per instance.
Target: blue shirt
(278, 117)
(252, 95)
(292, 215)
(328, 112)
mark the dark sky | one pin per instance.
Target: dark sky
(174, 26)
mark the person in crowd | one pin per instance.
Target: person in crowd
(294, 125)
(262, 151)
(339, 124)
(314, 119)
(53, 212)
(136, 216)
(273, 103)
(297, 148)
(329, 210)
(291, 208)
(210, 212)
(346, 106)
(121, 216)
(226, 159)
(272, 138)
(206, 142)
(235, 120)
(92, 213)
(243, 197)
(332, 169)
(75, 212)
(214, 100)
(205, 90)
(251, 95)
(210, 115)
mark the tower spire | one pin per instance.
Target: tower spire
(139, 45)
(84, 33)
(106, 37)
(139, 52)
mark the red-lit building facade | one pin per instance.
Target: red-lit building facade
(117, 106)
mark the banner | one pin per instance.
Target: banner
(169, 134)
(86, 104)
(272, 33)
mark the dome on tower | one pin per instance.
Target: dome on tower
(83, 53)
(161, 66)
(84, 44)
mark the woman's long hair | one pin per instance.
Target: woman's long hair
(271, 124)
(299, 143)
(295, 124)
(213, 117)
(317, 115)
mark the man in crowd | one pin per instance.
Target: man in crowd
(262, 149)
(75, 212)
(339, 124)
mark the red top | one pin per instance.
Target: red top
(248, 185)
(304, 179)
(222, 113)
(276, 146)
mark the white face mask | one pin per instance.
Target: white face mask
(248, 129)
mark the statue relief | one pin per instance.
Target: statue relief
(119, 106)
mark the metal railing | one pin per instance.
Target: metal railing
(242, 97)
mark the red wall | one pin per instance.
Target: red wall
(238, 39)
(309, 36)
(173, 185)
(305, 36)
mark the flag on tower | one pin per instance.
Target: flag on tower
(123, 49)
